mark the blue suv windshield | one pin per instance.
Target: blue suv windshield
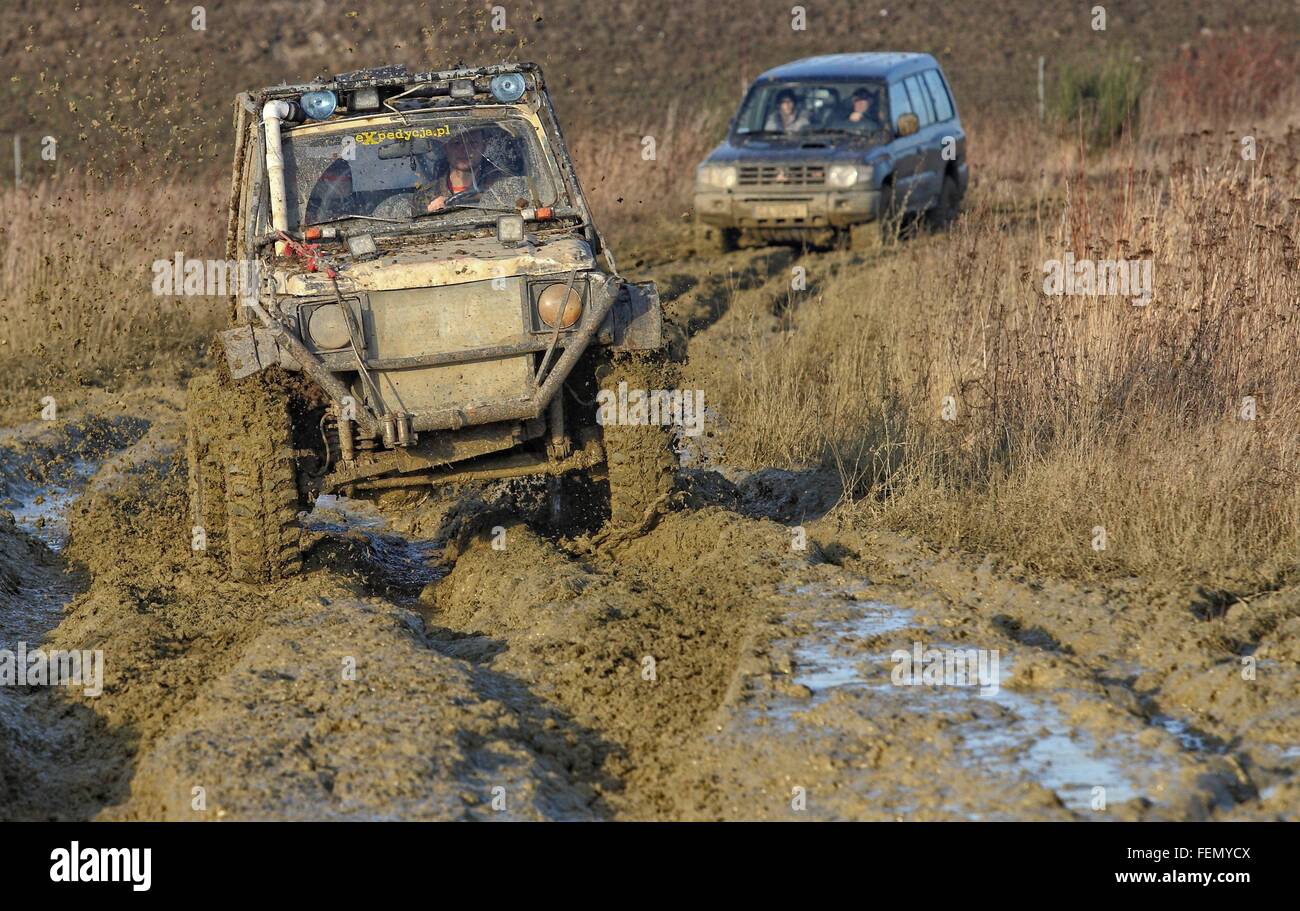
(809, 107)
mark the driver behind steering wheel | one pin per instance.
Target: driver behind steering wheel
(467, 174)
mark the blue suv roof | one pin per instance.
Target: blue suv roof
(877, 65)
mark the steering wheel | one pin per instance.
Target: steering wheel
(463, 196)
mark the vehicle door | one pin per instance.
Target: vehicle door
(906, 151)
(951, 136)
(929, 178)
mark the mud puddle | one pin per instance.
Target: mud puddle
(44, 468)
(1002, 731)
(848, 723)
(42, 513)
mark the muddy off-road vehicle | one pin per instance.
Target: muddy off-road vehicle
(433, 304)
(843, 147)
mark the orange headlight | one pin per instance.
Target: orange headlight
(554, 308)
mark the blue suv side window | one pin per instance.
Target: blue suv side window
(898, 102)
(920, 100)
(939, 92)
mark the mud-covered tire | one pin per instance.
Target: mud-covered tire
(263, 533)
(640, 459)
(207, 489)
(712, 239)
(243, 476)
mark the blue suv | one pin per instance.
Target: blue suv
(838, 147)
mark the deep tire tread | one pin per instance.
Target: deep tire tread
(243, 475)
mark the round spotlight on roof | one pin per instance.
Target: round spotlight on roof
(318, 105)
(508, 87)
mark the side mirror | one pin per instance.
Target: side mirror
(908, 124)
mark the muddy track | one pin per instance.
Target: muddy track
(459, 659)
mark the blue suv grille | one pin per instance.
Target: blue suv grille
(792, 175)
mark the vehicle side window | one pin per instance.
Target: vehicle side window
(921, 102)
(899, 104)
(939, 92)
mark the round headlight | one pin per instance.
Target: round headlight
(842, 175)
(318, 105)
(327, 327)
(553, 306)
(507, 88)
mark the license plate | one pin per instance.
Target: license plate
(781, 210)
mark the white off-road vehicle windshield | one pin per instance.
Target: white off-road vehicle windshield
(448, 168)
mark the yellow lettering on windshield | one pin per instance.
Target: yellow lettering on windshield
(376, 137)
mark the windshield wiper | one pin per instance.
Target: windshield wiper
(462, 206)
(330, 221)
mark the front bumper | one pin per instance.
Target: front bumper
(453, 356)
(814, 209)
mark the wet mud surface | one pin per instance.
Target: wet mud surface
(457, 658)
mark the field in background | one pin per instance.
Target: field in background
(1070, 413)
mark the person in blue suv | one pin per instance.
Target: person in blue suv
(786, 118)
(863, 111)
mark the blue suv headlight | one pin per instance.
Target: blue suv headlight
(844, 176)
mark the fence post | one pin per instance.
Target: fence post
(1042, 106)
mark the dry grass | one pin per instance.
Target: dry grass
(1072, 413)
(76, 297)
(641, 192)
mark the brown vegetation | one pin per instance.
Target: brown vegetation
(1071, 412)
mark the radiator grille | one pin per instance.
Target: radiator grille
(792, 175)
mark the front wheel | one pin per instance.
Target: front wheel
(866, 237)
(243, 476)
(712, 239)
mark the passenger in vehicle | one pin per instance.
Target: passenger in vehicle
(786, 118)
(863, 111)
